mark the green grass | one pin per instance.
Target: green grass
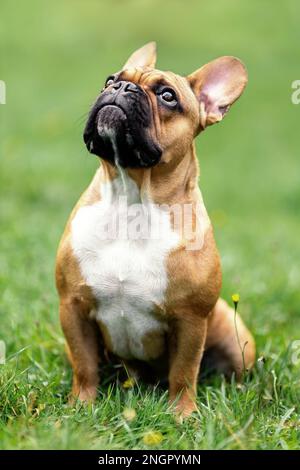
(54, 58)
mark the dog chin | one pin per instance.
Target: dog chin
(110, 121)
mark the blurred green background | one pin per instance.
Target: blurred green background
(54, 58)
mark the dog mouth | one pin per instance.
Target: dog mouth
(120, 133)
(112, 128)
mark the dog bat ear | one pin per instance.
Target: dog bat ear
(143, 57)
(217, 85)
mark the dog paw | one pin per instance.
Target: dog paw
(183, 409)
(84, 396)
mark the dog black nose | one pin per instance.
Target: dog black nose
(131, 87)
(125, 87)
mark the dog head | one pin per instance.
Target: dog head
(144, 117)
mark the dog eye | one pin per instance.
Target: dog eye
(109, 81)
(168, 96)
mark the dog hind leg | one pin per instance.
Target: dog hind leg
(226, 339)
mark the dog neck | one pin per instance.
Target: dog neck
(174, 182)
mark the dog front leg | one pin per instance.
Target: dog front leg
(186, 345)
(83, 348)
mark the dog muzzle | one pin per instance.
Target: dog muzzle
(119, 127)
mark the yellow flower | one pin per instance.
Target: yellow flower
(129, 383)
(235, 298)
(152, 438)
(129, 414)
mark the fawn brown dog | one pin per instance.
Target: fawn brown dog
(134, 276)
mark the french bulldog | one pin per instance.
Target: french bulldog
(138, 272)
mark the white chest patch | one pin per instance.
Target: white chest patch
(121, 246)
